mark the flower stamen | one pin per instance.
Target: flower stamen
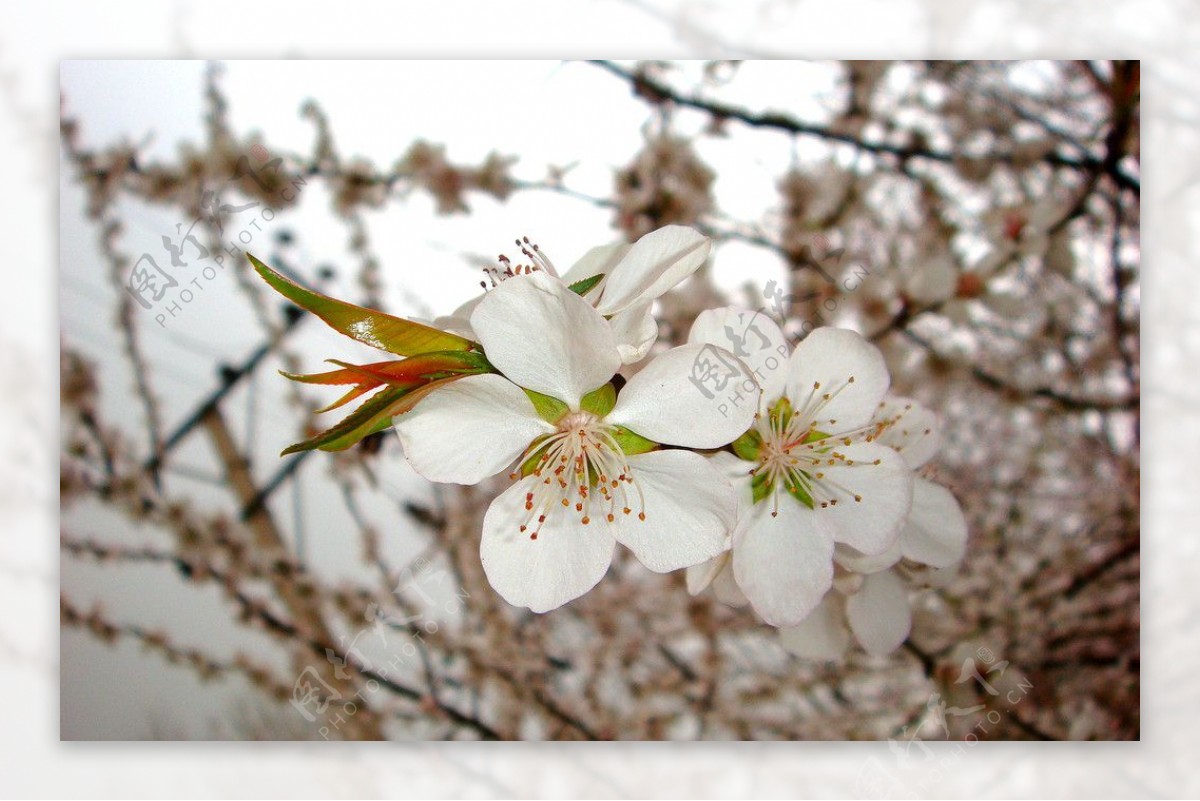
(585, 444)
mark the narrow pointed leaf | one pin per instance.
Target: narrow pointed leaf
(342, 436)
(382, 423)
(422, 367)
(374, 328)
(332, 378)
(357, 425)
(356, 392)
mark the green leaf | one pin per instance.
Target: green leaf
(374, 328)
(373, 415)
(549, 409)
(632, 444)
(600, 401)
(411, 373)
(423, 367)
(748, 446)
(358, 435)
(586, 285)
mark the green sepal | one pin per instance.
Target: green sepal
(374, 328)
(798, 492)
(549, 409)
(535, 457)
(600, 401)
(581, 288)
(815, 436)
(781, 413)
(760, 486)
(748, 446)
(632, 444)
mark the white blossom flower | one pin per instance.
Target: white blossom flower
(590, 471)
(634, 276)
(869, 598)
(810, 474)
(874, 607)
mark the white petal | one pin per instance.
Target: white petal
(735, 469)
(565, 561)
(469, 429)
(829, 357)
(654, 265)
(544, 337)
(851, 559)
(751, 336)
(716, 573)
(737, 472)
(454, 325)
(913, 432)
(784, 564)
(700, 576)
(459, 321)
(936, 532)
(689, 510)
(666, 401)
(726, 590)
(823, 635)
(636, 331)
(870, 525)
(600, 260)
(879, 614)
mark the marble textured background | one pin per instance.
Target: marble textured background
(35, 39)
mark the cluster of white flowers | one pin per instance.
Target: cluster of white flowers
(801, 499)
(832, 518)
